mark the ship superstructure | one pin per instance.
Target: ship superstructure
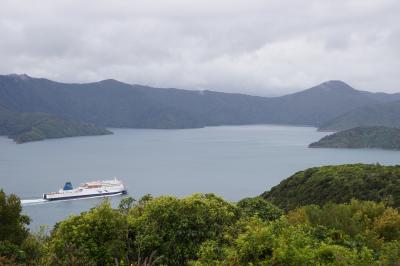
(89, 189)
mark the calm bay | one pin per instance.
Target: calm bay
(231, 161)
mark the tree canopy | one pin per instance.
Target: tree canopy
(17, 245)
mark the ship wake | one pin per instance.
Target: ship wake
(26, 202)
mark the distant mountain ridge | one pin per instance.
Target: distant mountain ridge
(319, 104)
(110, 103)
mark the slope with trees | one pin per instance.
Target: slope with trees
(383, 114)
(362, 137)
(338, 184)
(26, 127)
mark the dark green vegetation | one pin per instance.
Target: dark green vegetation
(384, 114)
(111, 103)
(25, 127)
(16, 243)
(203, 229)
(362, 137)
(338, 184)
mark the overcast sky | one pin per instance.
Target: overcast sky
(257, 47)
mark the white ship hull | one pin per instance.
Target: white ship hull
(86, 190)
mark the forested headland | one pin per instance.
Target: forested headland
(376, 137)
(27, 127)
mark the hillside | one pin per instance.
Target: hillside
(110, 103)
(26, 127)
(362, 137)
(383, 114)
(337, 184)
(115, 104)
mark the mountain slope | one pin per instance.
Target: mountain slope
(320, 103)
(25, 127)
(111, 103)
(116, 104)
(384, 114)
(362, 137)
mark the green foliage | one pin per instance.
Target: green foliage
(259, 207)
(126, 204)
(362, 137)
(98, 236)
(12, 251)
(338, 184)
(177, 227)
(354, 218)
(279, 243)
(17, 246)
(12, 223)
(33, 248)
(389, 254)
(366, 224)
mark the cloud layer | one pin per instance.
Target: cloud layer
(264, 47)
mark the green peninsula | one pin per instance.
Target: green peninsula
(377, 137)
(26, 127)
(338, 184)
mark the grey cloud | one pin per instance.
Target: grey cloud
(255, 46)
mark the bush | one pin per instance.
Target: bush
(260, 208)
(176, 228)
(98, 236)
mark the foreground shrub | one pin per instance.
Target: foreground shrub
(96, 237)
(260, 208)
(176, 228)
(280, 243)
(16, 244)
(371, 221)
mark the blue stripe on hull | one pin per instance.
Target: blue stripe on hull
(85, 196)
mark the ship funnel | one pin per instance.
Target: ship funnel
(68, 186)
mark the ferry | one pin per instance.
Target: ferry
(86, 190)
